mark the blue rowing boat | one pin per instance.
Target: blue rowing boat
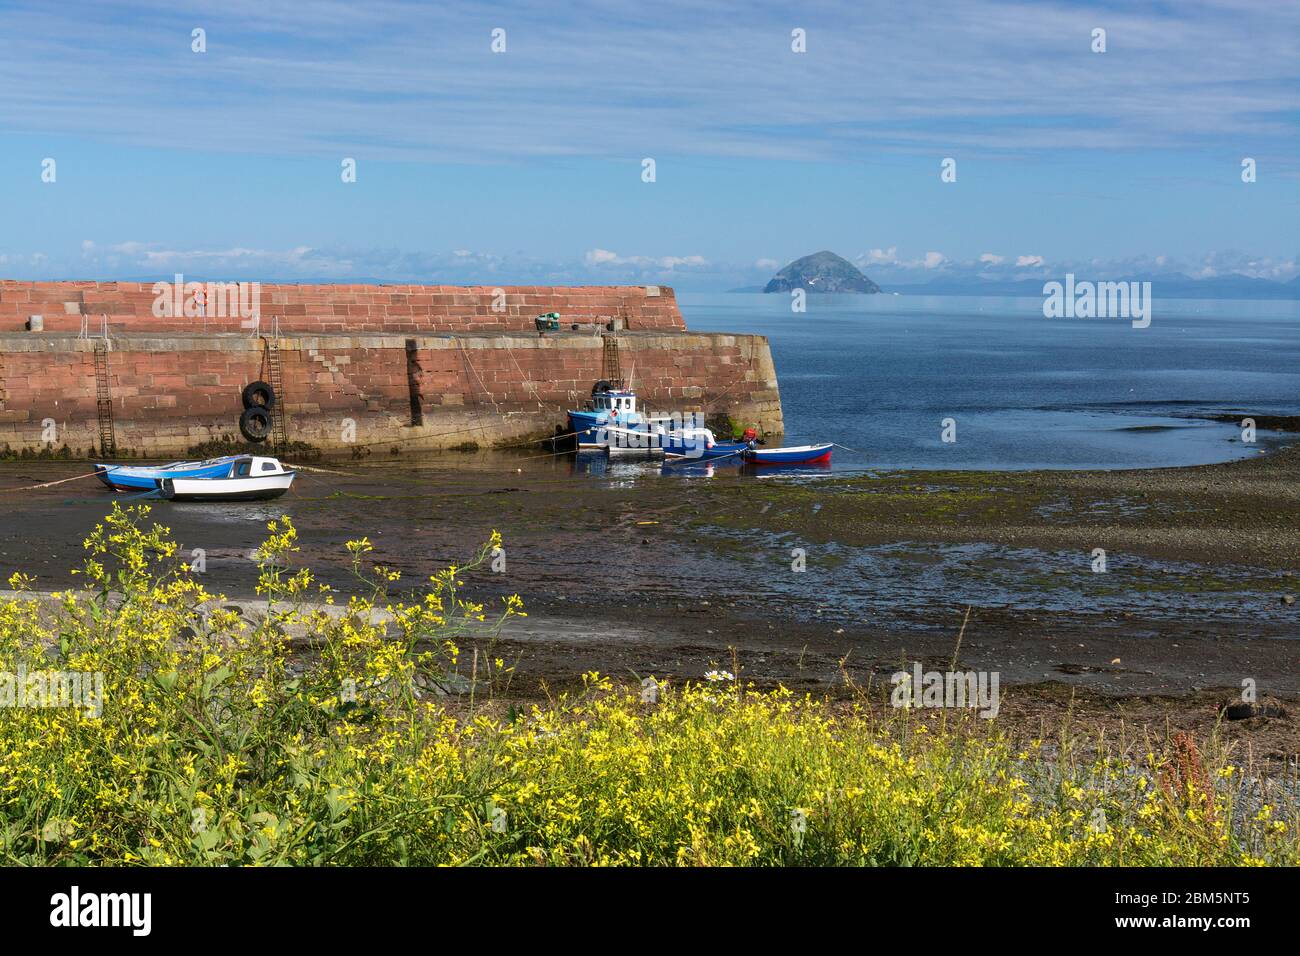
(698, 444)
(147, 477)
(746, 453)
(795, 455)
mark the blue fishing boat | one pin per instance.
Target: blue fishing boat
(611, 420)
(147, 477)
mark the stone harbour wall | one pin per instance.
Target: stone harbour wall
(386, 390)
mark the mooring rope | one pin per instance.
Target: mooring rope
(730, 454)
(323, 471)
(491, 397)
(50, 484)
(151, 493)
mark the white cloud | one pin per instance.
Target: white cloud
(673, 262)
(1230, 262)
(603, 257)
(237, 254)
(129, 248)
(135, 256)
(888, 260)
(1029, 261)
(35, 259)
(766, 265)
(991, 259)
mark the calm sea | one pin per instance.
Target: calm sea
(880, 373)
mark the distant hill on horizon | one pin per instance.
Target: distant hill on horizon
(822, 272)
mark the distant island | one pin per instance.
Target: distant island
(821, 272)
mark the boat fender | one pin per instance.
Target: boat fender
(255, 423)
(600, 387)
(258, 394)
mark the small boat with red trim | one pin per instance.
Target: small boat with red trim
(699, 444)
(794, 455)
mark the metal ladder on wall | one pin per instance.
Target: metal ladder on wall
(610, 368)
(103, 387)
(279, 429)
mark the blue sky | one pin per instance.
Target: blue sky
(526, 165)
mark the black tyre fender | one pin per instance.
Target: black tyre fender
(600, 387)
(259, 395)
(255, 423)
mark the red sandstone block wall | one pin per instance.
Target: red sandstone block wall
(193, 390)
(341, 309)
(563, 376)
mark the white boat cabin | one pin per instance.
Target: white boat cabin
(621, 402)
(256, 467)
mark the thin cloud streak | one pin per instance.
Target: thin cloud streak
(405, 81)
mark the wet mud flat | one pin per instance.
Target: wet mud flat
(814, 581)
